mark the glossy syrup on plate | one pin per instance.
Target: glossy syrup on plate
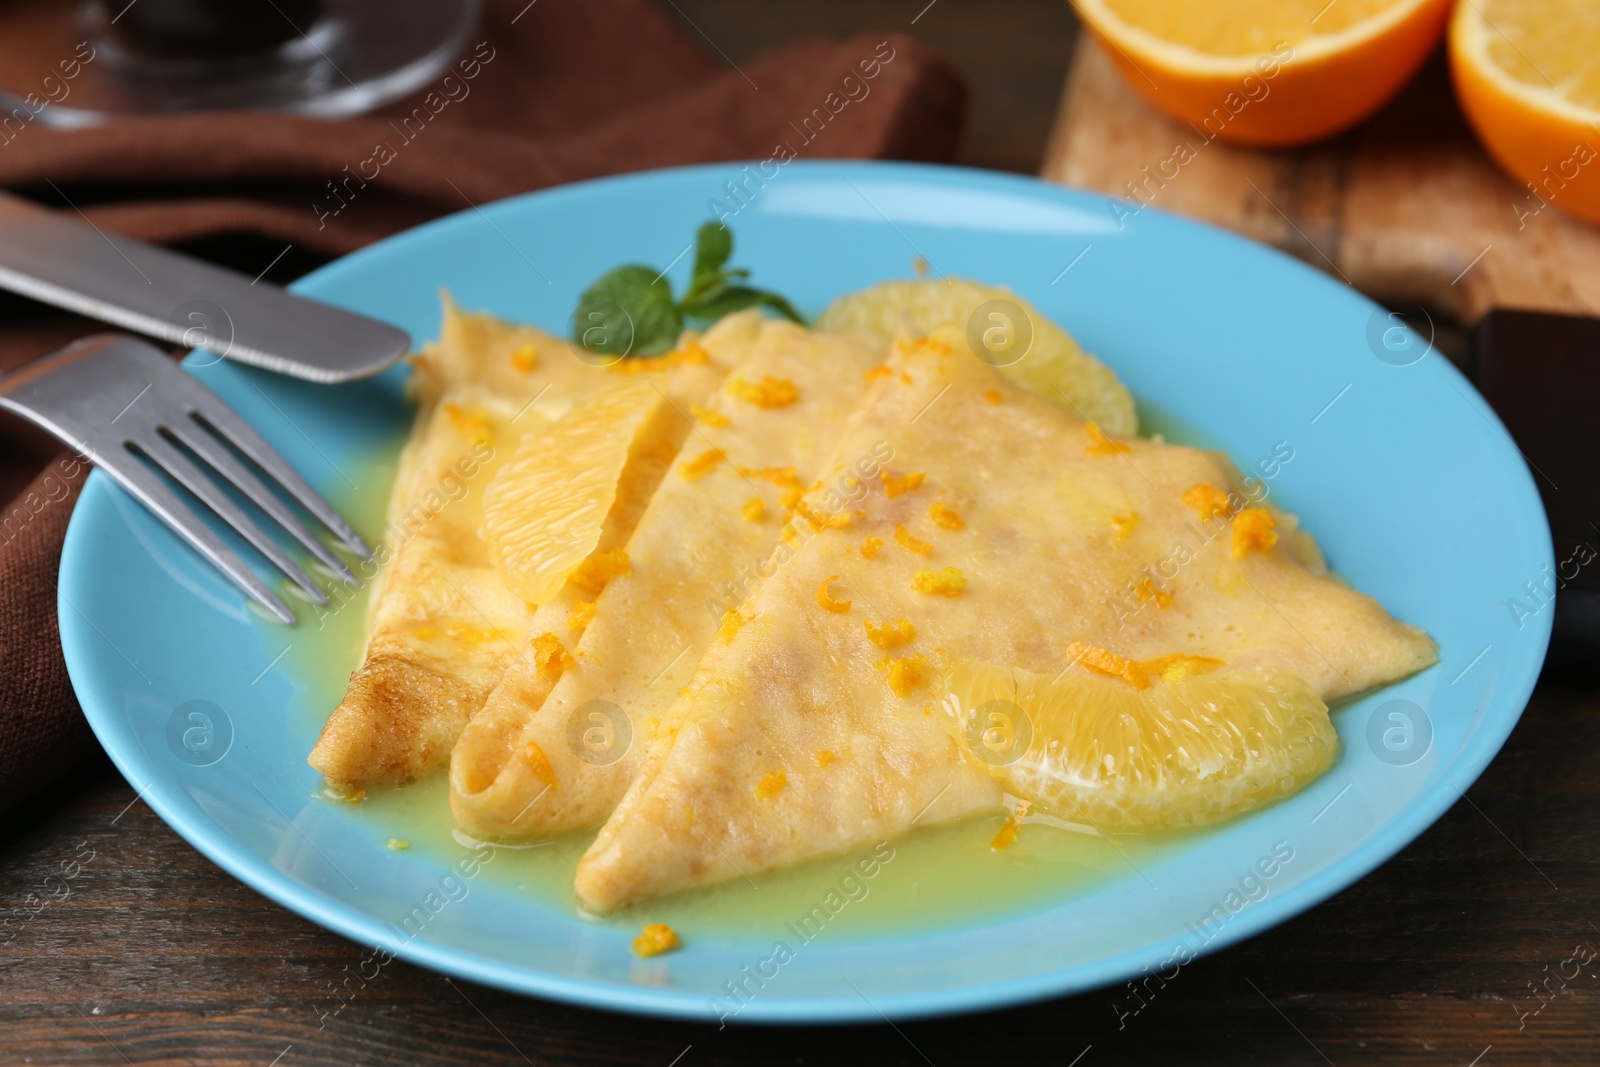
(941, 877)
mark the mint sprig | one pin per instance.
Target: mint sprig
(631, 311)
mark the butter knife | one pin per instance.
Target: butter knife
(71, 263)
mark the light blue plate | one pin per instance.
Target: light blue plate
(1400, 469)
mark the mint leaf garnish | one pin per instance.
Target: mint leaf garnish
(713, 245)
(631, 310)
(730, 298)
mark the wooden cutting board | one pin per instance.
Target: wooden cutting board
(1406, 207)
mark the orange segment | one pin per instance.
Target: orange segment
(1054, 366)
(1266, 72)
(544, 510)
(1526, 77)
(1191, 750)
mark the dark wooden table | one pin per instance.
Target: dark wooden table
(157, 957)
(1451, 954)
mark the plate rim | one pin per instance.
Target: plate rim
(347, 920)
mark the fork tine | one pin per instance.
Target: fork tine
(244, 437)
(224, 462)
(166, 456)
(144, 486)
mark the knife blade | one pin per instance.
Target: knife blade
(54, 258)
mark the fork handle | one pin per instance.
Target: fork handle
(66, 260)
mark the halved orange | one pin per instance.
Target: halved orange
(1267, 72)
(1527, 74)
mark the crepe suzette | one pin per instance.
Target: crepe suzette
(451, 609)
(561, 736)
(1005, 531)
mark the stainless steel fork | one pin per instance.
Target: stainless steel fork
(130, 409)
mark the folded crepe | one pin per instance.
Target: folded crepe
(1004, 530)
(443, 623)
(561, 736)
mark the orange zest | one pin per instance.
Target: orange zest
(782, 477)
(709, 416)
(896, 485)
(891, 634)
(827, 600)
(1108, 663)
(1254, 530)
(692, 353)
(701, 465)
(1207, 500)
(1006, 836)
(550, 657)
(539, 764)
(1150, 590)
(593, 573)
(911, 544)
(473, 424)
(1179, 666)
(948, 581)
(905, 674)
(1101, 445)
(655, 939)
(819, 521)
(769, 392)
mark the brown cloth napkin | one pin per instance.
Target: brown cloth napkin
(567, 90)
